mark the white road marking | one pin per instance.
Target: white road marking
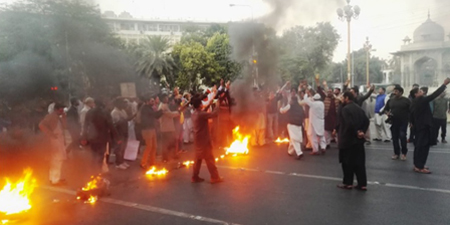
(432, 150)
(144, 207)
(339, 179)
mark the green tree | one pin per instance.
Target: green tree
(376, 66)
(195, 62)
(154, 61)
(219, 46)
(306, 50)
(70, 38)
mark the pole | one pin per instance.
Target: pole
(367, 66)
(349, 76)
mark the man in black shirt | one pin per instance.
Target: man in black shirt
(397, 108)
(353, 123)
(422, 122)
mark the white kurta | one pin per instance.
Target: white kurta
(316, 124)
(316, 116)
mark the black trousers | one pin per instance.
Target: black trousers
(422, 147)
(210, 163)
(354, 163)
(439, 124)
(398, 130)
(412, 134)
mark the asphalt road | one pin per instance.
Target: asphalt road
(265, 187)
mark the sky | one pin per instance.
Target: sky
(385, 22)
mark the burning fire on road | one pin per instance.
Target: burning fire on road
(281, 141)
(94, 189)
(239, 145)
(15, 197)
(154, 172)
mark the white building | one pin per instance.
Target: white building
(425, 60)
(133, 30)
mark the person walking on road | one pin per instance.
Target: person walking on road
(296, 117)
(202, 142)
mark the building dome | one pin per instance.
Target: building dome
(429, 31)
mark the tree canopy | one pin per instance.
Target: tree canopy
(305, 51)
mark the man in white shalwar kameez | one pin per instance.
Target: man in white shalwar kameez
(295, 119)
(316, 124)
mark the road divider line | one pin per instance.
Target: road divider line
(144, 207)
(436, 150)
(375, 183)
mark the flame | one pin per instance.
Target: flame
(92, 184)
(92, 199)
(15, 197)
(239, 145)
(279, 140)
(153, 171)
(188, 163)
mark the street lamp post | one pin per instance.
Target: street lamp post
(368, 48)
(347, 13)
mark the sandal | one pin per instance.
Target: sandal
(361, 188)
(423, 171)
(343, 186)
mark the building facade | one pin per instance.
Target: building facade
(425, 60)
(133, 30)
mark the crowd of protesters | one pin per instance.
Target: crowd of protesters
(311, 117)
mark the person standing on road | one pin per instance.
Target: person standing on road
(202, 142)
(441, 107)
(272, 115)
(398, 110)
(353, 123)
(316, 124)
(380, 119)
(331, 103)
(98, 130)
(88, 104)
(295, 117)
(73, 125)
(53, 126)
(422, 121)
(120, 120)
(167, 129)
(412, 134)
(148, 118)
